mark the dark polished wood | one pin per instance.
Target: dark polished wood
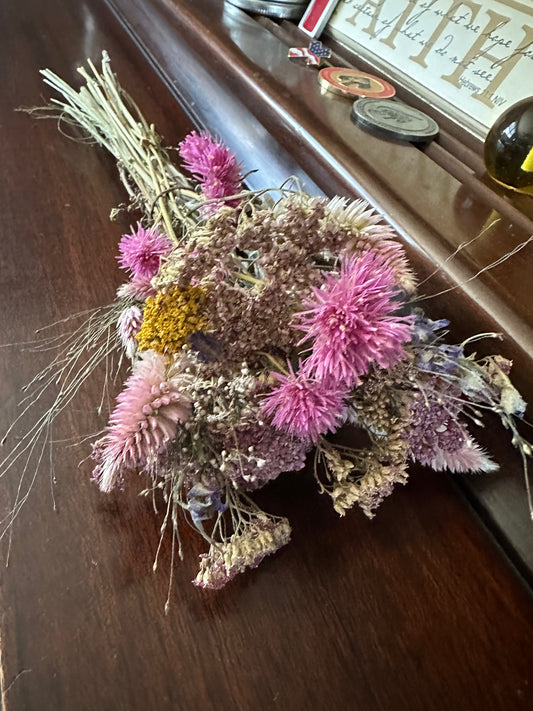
(418, 610)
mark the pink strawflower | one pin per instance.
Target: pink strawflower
(214, 165)
(350, 321)
(144, 422)
(304, 406)
(141, 251)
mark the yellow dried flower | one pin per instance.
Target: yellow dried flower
(171, 317)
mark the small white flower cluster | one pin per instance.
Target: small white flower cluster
(217, 400)
(361, 480)
(244, 549)
(369, 491)
(345, 491)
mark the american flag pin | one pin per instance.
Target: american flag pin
(317, 48)
(313, 55)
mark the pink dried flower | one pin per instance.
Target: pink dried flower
(350, 321)
(304, 406)
(470, 457)
(141, 251)
(129, 324)
(437, 437)
(144, 422)
(214, 165)
(363, 230)
(137, 288)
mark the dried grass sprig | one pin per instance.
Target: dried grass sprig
(78, 354)
(112, 119)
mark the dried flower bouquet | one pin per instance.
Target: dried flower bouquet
(256, 324)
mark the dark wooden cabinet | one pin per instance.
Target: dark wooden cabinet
(426, 607)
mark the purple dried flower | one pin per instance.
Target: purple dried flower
(256, 453)
(203, 502)
(305, 406)
(214, 165)
(350, 321)
(207, 348)
(144, 421)
(440, 359)
(425, 330)
(468, 458)
(141, 251)
(437, 438)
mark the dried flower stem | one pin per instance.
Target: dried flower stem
(113, 120)
(79, 354)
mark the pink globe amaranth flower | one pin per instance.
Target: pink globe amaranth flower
(213, 164)
(141, 252)
(350, 321)
(144, 421)
(305, 406)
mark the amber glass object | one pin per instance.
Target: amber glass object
(509, 148)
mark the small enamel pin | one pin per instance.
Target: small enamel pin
(314, 54)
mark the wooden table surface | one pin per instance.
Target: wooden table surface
(417, 610)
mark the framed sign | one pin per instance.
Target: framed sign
(472, 59)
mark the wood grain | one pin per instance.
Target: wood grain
(413, 611)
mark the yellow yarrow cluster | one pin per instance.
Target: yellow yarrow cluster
(170, 318)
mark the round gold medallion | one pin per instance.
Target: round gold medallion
(353, 83)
